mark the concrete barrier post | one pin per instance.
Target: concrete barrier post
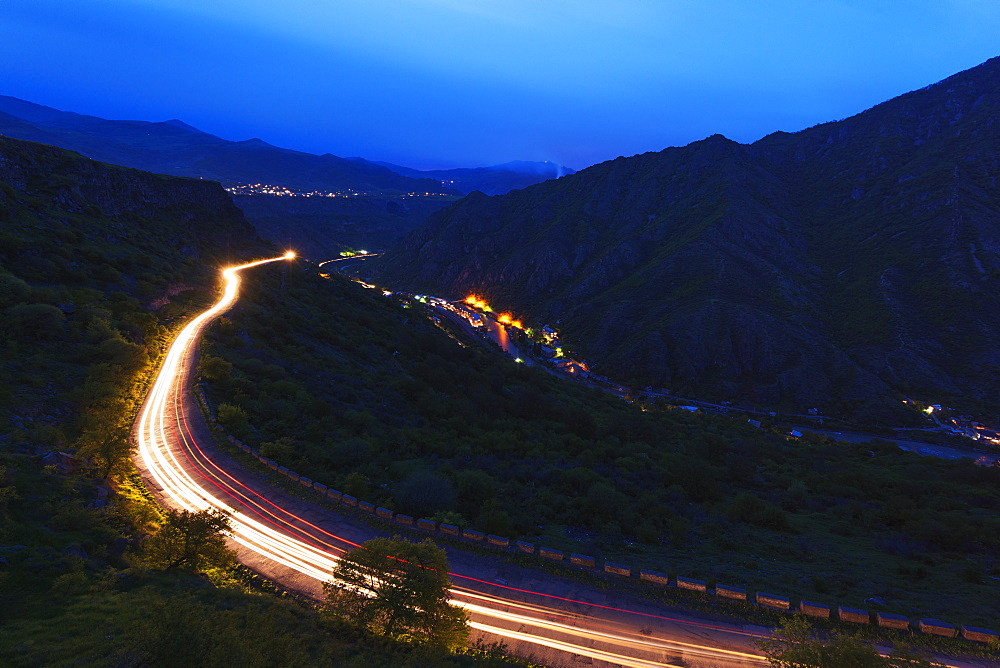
(654, 577)
(937, 627)
(733, 593)
(814, 609)
(853, 615)
(527, 548)
(890, 621)
(692, 585)
(773, 601)
(617, 569)
(549, 553)
(979, 634)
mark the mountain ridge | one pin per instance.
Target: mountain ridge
(838, 266)
(176, 148)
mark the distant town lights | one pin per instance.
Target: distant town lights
(284, 191)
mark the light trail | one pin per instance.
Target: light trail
(189, 479)
(611, 657)
(617, 639)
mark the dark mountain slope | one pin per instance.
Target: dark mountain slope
(321, 227)
(825, 267)
(47, 188)
(175, 148)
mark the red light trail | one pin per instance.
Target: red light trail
(186, 476)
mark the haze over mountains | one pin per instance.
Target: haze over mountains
(840, 267)
(494, 180)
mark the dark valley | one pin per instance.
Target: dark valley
(845, 268)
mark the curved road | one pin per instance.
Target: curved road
(295, 542)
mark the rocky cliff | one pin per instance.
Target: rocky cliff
(841, 266)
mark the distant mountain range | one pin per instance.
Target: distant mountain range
(318, 227)
(175, 148)
(841, 267)
(495, 180)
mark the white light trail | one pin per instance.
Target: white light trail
(611, 657)
(159, 436)
(168, 452)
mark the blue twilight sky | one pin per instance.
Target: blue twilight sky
(443, 83)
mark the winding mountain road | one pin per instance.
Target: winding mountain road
(296, 541)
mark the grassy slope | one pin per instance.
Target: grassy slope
(347, 387)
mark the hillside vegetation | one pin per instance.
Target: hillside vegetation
(98, 266)
(366, 394)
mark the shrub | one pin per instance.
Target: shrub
(40, 321)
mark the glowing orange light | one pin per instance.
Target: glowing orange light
(480, 304)
(290, 255)
(471, 300)
(505, 318)
(516, 323)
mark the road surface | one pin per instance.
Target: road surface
(295, 541)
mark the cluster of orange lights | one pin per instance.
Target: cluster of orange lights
(475, 301)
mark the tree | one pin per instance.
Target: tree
(234, 418)
(215, 368)
(395, 587)
(39, 321)
(105, 438)
(13, 290)
(795, 645)
(191, 541)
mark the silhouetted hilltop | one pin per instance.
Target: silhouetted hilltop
(176, 148)
(835, 267)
